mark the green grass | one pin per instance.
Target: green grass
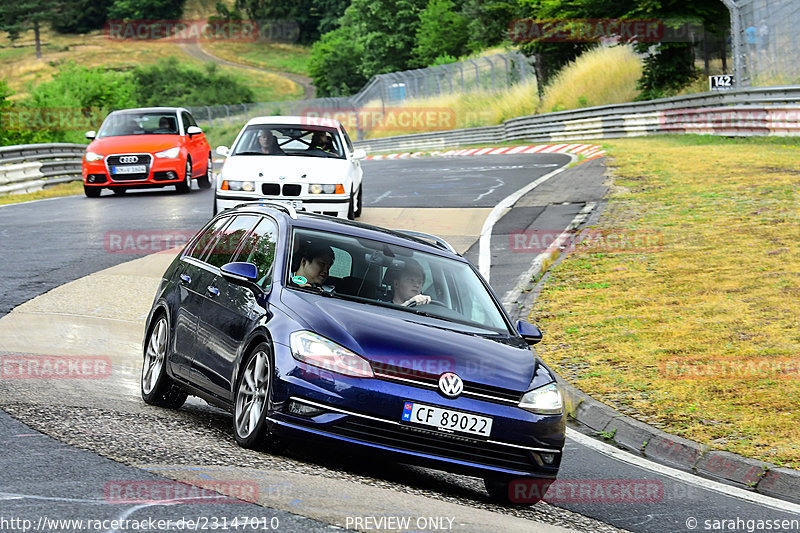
(712, 286)
(269, 56)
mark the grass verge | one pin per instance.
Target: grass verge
(268, 56)
(687, 318)
(62, 189)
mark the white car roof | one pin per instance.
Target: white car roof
(296, 121)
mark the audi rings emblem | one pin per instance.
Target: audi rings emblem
(451, 385)
(128, 159)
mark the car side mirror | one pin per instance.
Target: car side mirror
(244, 274)
(223, 151)
(529, 332)
(193, 130)
(359, 153)
(91, 134)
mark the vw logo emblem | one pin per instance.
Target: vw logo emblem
(451, 385)
(128, 159)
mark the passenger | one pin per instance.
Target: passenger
(407, 285)
(268, 143)
(312, 263)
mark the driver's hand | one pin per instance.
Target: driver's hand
(418, 299)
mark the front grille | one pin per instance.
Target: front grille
(456, 447)
(271, 189)
(291, 190)
(427, 380)
(141, 159)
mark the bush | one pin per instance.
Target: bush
(171, 83)
(145, 10)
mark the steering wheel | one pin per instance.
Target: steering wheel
(432, 302)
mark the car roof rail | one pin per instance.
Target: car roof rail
(266, 203)
(438, 241)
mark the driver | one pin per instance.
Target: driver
(407, 285)
(321, 141)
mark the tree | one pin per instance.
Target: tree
(82, 16)
(442, 31)
(146, 10)
(313, 17)
(18, 16)
(488, 21)
(335, 63)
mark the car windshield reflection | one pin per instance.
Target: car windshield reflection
(154, 123)
(277, 140)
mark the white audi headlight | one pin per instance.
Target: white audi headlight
(318, 351)
(91, 156)
(172, 153)
(545, 400)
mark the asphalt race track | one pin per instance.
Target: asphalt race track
(104, 436)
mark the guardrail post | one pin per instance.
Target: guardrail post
(210, 122)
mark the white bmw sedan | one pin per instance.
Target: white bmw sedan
(306, 162)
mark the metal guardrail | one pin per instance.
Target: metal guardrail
(31, 167)
(744, 112)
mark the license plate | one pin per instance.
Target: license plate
(132, 169)
(297, 204)
(446, 419)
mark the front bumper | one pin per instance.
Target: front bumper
(160, 172)
(367, 413)
(333, 205)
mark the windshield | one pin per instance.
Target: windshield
(270, 139)
(376, 273)
(145, 123)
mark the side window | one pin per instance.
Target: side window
(208, 237)
(230, 239)
(191, 120)
(259, 249)
(185, 120)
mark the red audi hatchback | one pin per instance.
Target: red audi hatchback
(144, 148)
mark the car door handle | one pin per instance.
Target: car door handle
(213, 290)
(186, 278)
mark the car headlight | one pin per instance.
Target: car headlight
(326, 188)
(545, 400)
(172, 153)
(318, 351)
(232, 185)
(91, 156)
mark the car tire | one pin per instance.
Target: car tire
(157, 387)
(92, 192)
(351, 214)
(186, 185)
(214, 206)
(204, 181)
(253, 391)
(359, 201)
(498, 489)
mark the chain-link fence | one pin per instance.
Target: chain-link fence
(393, 90)
(765, 41)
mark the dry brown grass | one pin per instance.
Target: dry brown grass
(717, 288)
(62, 189)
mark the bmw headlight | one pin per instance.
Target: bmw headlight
(234, 185)
(91, 156)
(318, 351)
(545, 400)
(172, 153)
(326, 188)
